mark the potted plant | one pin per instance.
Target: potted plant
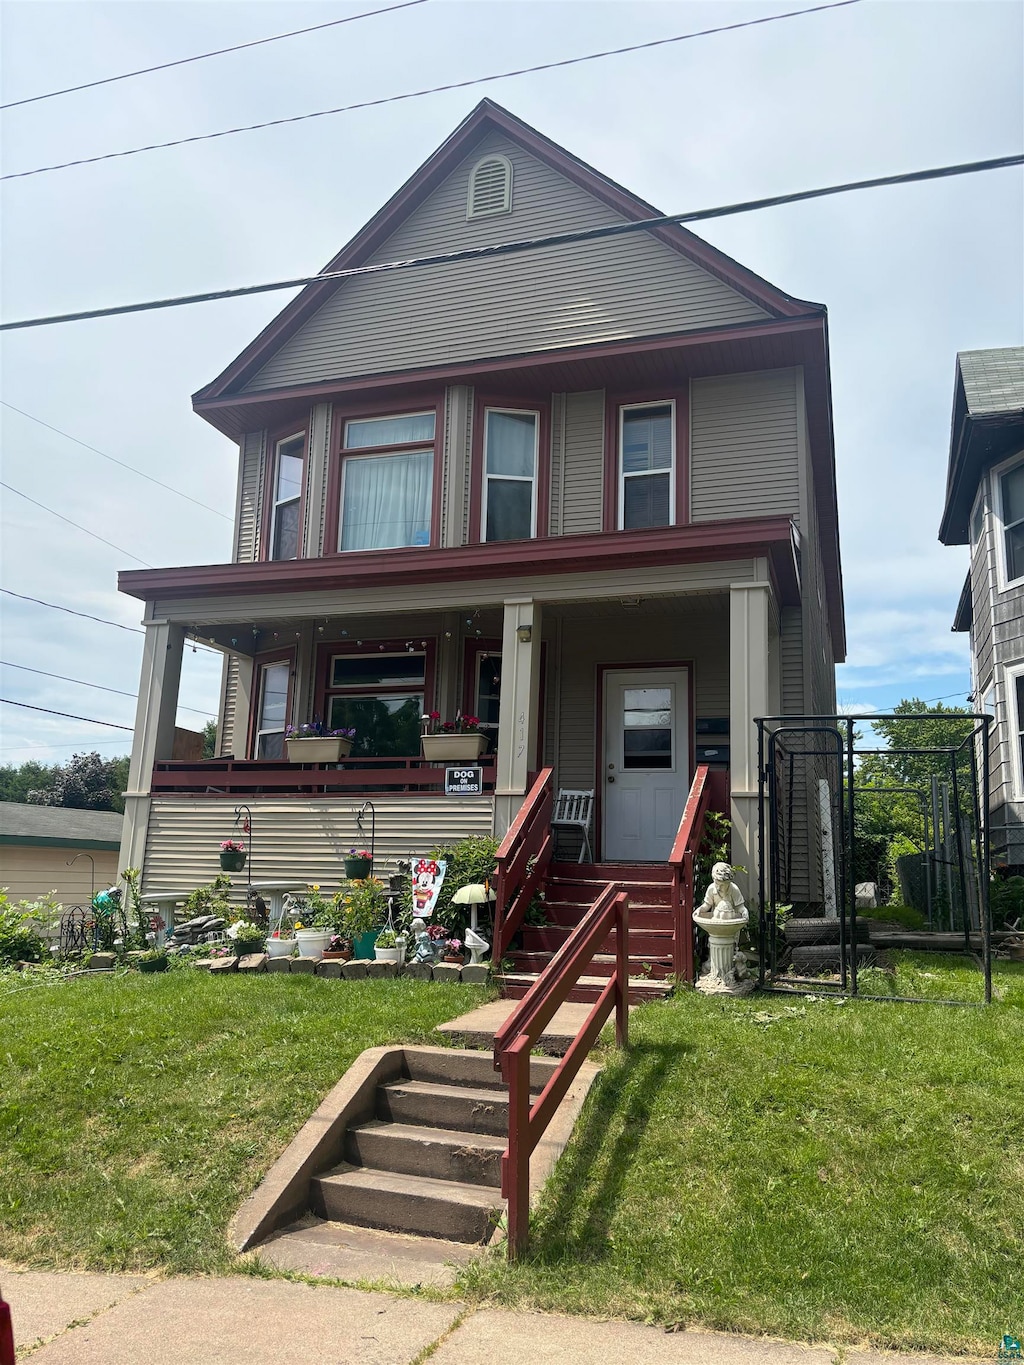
(360, 908)
(313, 743)
(386, 947)
(246, 937)
(458, 740)
(451, 951)
(339, 948)
(155, 960)
(281, 942)
(313, 915)
(358, 864)
(232, 855)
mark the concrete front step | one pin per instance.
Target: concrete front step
(442, 1154)
(428, 1104)
(414, 1204)
(514, 986)
(602, 964)
(450, 1066)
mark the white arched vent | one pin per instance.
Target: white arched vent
(490, 187)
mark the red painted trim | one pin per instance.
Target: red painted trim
(369, 646)
(614, 402)
(274, 437)
(354, 411)
(541, 406)
(260, 662)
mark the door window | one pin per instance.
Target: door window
(647, 730)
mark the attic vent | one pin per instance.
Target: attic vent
(490, 187)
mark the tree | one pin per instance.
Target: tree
(17, 780)
(210, 739)
(87, 782)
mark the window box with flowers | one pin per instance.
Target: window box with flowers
(232, 855)
(313, 743)
(457, 741)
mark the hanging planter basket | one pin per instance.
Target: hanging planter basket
(232, 862)
(358, 869)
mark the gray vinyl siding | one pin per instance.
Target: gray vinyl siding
(581, 493)
(744, 458)
(318, 458)
(608, 290)
(557, 473)
(791, 643)
(303, 841)
(455, 475)
(229, 706)
(250, 497)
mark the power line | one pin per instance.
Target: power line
(91, 720)
(202, 56)
(75, 744)
(141, 473)
(430, 90)
(71, 612)
(527, 244)
(84, 529)
(62, 677)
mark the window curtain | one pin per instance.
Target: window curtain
(386, 502)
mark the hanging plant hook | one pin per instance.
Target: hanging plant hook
(243, 816)
(367, 805)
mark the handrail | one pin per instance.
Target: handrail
(515, 1040)
(522, 860)
(708, 789)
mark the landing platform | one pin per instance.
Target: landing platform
(477, 1028)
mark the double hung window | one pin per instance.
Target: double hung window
(510, 474)
(289, 459)
(646, 466)
(1011, 506)
(387, 482)
(381, 697)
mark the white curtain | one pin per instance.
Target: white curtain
(386, 501)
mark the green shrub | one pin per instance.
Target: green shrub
(19, 941)
(1006, 901)
(469, 861)
(905, 915)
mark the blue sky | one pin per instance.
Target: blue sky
(910, 275)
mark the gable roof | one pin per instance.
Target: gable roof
(987, 426)
(485, 120)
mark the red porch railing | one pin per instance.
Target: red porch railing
(277, 777)
(522, 861)
(521, 1032)
(708, 792)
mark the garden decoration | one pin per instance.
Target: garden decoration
(427, 880)
(92, 872)
(74, 933)
(243, 818)
(459, 739)
(232, 855)
(388, 946)
(110, 929)
(359, 862)
(423, 944)
(722, 915)
(476, 893)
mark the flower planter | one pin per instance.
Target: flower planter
(328, 749)
(232, 862)
(157, 964)
(280, 947)
(456, 748)
(336, 957)
(454, 961)
(358, 869)
(362, 945)
(388, 954)
(312, 942)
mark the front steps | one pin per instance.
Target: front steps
(570, 890)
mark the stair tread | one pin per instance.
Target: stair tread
(417, 1132)
(442, 1089)
(518, 978)
(424, 1186)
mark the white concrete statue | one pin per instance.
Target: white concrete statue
(723, 899)
(722, 915)
(423, 947)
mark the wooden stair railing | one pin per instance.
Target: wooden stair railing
(708, 792)
(522, 861)
(521, 1032)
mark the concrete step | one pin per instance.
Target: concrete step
(514, 986)
(407, 1203)
(549, 938)
(442, 1154)
(428, 1104)
(450, 1066)
(601, 964)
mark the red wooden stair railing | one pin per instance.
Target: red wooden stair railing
(708, 792)
(522, 861)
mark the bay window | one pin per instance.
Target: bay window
(510, 474)
(387, 481)
(646, 466)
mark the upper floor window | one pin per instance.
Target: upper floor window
(978, 518)
(490, 187)
(289, 459)
(646, 465)
(1011, 511)
(510, 474)
(387, 482)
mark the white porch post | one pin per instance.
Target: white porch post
(154, 732)
(749, 693)
(518, 712)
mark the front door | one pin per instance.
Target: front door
(646, 766)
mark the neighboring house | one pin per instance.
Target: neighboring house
(585, 492)
(38, 848)
(985, 509)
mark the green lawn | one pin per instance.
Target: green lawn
(806, 1168)
(136, 1112)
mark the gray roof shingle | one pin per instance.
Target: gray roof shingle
(59, 822)
(993, 380)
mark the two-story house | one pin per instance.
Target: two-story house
(985, 509)
(584, 491)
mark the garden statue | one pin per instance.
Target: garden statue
(722, 915)
(423, 946)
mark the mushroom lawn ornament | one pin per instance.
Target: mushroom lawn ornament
(477, 893)
(722, 915)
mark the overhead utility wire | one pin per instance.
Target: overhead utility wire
(80, 682)
(9, 592)
(84, 529)
(430, 90)
(202, 56)
(525, 244)
(91, 720)
(141, 473)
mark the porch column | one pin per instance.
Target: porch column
(749, 692)
(154, 732)
(520, 704)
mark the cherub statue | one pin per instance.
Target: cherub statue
(723, 899)
(423, 946)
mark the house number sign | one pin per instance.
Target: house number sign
(463, 781)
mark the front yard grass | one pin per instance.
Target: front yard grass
(798, 1167)
(137, 1112)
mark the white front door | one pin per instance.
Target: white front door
(646, 766)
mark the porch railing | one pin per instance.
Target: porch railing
(521, 1032)
(277, 777)
(709, 791)
(522, 861)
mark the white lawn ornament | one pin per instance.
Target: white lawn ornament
(722, 915)
(476, 893)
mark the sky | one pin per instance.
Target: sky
(910, 275)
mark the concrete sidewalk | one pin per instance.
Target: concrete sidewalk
(125, 1319)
